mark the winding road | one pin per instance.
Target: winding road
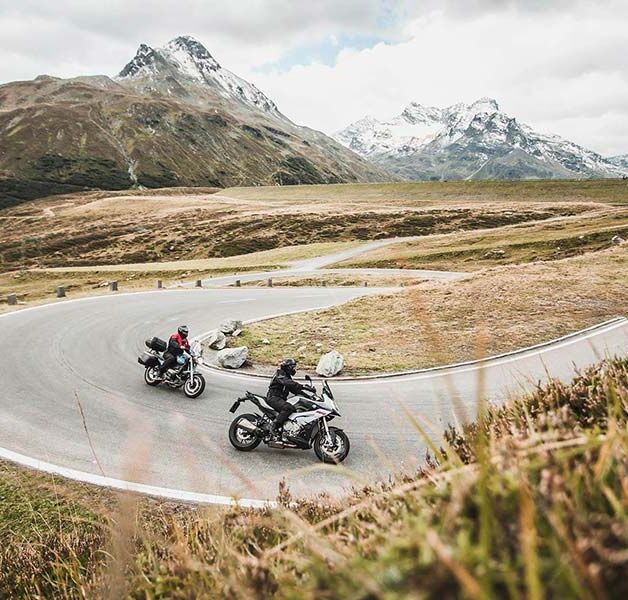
(74, 401)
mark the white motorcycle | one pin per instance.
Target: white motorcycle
(307, 427)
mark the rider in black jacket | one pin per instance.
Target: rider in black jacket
(280, 386)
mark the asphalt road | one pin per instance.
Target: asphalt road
(316, 266)
(73, 395)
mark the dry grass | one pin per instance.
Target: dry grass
(163, 226)
(402, 280)
(512, 244)
(428, 193)
(34, 287)
(516, 305)
(528, 502)
(40, 284)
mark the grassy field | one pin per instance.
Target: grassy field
(551, 239)
(339, 280)
(529, 502)
(429, 193)
(435, 323)
(40, 284)
(101, 228)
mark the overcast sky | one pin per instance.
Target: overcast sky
(560, 66)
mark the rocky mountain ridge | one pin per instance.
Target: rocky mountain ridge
(182, 66)
(470, 141)
(172, 117)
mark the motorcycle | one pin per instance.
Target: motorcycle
(306, 428)
(185, 374)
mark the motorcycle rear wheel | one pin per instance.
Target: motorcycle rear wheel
(334, 455)
(241, 439)
(151, 376)
(194, 387)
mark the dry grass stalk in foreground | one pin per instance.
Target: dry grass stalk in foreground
(554, 503)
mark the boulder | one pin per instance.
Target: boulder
(229, 326)
(233, 358)
(216, 340)
(330, 364)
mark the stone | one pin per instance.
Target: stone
(330, 364)
(301, 350)
(266, 342)
(617, 240)
(494, 254)
(232, 358)
(236, 333)
(216, 340)
(230, 325)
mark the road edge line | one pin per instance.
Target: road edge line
(131, 486)
(452, 366)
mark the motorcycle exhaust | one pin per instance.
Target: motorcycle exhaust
(281, 445)
(248, 426)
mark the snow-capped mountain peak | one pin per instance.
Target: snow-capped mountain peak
(192, 56)
(469, 140)
(185, 61)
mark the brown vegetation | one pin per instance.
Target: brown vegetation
(96, 228)
(437, 322)
(526, 503)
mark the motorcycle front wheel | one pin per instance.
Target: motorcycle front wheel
(151, 376)
(240, 438)
(329, 452)
(194, 386)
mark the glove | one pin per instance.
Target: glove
(310, 388)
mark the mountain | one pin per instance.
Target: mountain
(184, 68)
(172, 116)
(470, 141)
(620, 161)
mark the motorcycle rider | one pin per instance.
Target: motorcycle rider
(280, 386)
(177, 345)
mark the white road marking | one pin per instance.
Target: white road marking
(309, 296)
(236, 301)
(131, 486)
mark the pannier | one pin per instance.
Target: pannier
(147, 359)
(156, 344)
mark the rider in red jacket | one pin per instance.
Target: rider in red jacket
(177, 345)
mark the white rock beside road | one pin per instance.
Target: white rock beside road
(232, 358)
(330, 364)
(216, 340)
(230, 325)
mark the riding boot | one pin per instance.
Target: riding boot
(274, 431)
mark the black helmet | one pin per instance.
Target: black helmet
(289, 365)
(183, 331)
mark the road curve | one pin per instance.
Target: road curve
(85, 351)
(316, 266)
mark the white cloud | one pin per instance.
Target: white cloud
(560, 65)
(561, 71)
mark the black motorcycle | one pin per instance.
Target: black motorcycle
(184, 375)
(306, 428)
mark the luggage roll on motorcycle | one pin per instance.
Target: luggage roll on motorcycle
(185, 375)
(307, 427)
